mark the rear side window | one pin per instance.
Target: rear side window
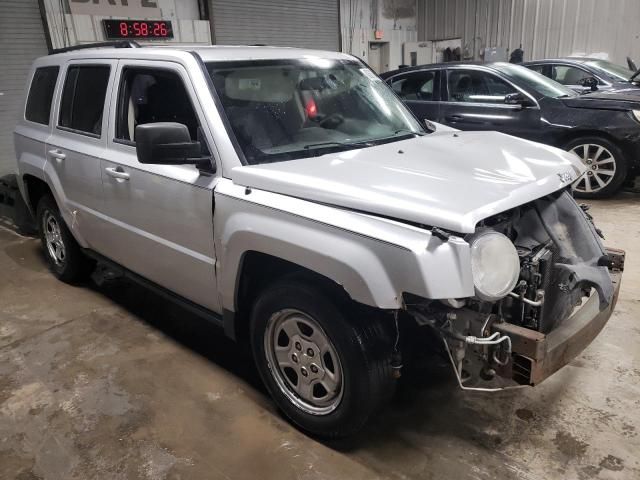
(40, 95)
(83, 98)
(537, 68)
(415, 86)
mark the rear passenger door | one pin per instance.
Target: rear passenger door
(159, 217)
(419, 91)
(78, 142)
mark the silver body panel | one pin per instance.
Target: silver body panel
(189, 232)
(448, 180)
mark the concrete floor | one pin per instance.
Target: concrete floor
(114, 383)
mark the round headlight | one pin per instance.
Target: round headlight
(495, 265)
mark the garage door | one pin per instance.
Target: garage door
(290, 23)
(22, 39)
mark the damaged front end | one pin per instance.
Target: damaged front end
(566, 290)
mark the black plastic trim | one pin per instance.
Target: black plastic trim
(188, 305)
(117, 44)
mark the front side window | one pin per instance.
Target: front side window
(414, 86)
(41, 94)
(476, 86)
(290, 109)
(544, 86)
(83, 98)
(567, 75)
(149, 95)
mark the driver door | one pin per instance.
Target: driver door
(159, 218)
(475, 100)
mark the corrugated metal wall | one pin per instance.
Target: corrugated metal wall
(359, 19)
(290, 23)
(545, 28)
(22, 39)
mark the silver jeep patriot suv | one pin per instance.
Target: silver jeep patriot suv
(290, 196)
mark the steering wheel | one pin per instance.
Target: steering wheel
(332, 121)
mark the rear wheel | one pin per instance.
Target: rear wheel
(606, 165)
(327, 371)
(65, 258)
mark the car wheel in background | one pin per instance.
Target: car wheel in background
(607, 167)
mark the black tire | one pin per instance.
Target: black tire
(363, 345)
(73, 265)
(612, 183)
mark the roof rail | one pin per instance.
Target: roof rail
(118, 44)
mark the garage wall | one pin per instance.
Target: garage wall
(67, 29)
(22, 39)
(290, 23)
(394, 20)
(545, 28)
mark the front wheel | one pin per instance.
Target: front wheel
(326, 370)
(606, 165)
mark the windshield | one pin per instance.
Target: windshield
(284, 109)
(538, 82)
(610, 70)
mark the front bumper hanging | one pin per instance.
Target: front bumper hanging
(534, 356)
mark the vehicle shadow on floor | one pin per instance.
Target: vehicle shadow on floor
(428, 401)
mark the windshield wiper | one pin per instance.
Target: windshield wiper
(337, 144)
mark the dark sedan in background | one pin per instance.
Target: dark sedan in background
(586, 74)
(602, 128)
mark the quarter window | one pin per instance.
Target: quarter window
(153, 95)
(416, 86)
(83, 98)
(40, 95)
(477, 87)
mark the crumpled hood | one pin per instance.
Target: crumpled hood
(448, 180)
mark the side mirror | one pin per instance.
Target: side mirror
(428, 125)
(589, 82)
(167, 143)
(518, 99)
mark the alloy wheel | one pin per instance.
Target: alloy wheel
(601, 168)
(53, 238)
(303, 362)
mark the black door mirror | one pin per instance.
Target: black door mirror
(518, 99)
(167, 143)
(428, 125)
(589, 82)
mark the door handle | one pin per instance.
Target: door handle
(117, 172)
(57, 154)
(454, 118)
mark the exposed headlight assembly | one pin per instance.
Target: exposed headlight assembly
(636, 114)
(495, 265)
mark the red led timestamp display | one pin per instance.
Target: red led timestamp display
(119, 29)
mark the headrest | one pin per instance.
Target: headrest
(266, 84)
